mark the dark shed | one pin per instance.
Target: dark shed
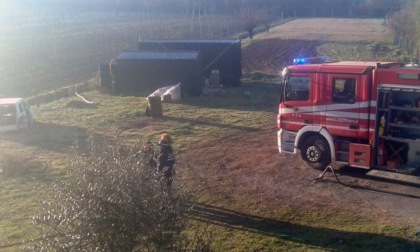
(146, 71)
(223, 55)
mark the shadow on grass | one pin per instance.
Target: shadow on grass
(48, 136)
(360, 174)
(54, 137)
(325, 238)
(22, 168)
(23, 164)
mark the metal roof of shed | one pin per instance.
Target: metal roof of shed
(171, 55)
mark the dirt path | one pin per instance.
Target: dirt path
(241, 168)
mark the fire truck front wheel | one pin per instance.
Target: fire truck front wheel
(316, 152)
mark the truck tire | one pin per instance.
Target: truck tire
(316, 153)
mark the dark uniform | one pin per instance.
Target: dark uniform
(166, 161)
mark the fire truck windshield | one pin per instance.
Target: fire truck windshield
(297, 88)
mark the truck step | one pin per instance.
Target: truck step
(393, 176)
(342, 152)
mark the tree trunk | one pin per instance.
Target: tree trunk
(251, 34)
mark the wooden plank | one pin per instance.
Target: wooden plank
(404, 178)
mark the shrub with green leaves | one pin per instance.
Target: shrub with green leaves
(112, 200)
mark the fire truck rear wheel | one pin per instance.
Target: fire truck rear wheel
(316, 152)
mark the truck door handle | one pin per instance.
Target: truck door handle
(307, 122)
(352, 126)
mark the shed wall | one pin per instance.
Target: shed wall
(143, 76)
(223, 55)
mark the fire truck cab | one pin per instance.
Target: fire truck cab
(361, 114)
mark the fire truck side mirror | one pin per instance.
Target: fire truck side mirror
(283, 90)
(284, 74)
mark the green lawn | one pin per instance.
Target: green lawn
(29, 161)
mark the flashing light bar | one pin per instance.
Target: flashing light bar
(309, 60)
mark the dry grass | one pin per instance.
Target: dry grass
(226, 153)
(326, 29)
(252, 198)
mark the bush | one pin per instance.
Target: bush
(112, 201)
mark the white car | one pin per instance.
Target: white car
(15, 114)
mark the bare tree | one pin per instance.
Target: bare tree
(402, 24)
(268, 15)
(250, 18)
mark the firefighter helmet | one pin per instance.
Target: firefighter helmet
(167, 137)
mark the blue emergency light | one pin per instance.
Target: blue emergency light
(299, 60)
(309, 60)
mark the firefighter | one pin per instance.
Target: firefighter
(347, 94)
(149, 154)
(166, 158)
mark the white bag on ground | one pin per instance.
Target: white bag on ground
(173, 92)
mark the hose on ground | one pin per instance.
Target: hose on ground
(320, 176)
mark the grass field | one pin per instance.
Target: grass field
(46, 53)
(46, 149)
(250, 217)
(331, 30)
(244, 225)
(338, 39)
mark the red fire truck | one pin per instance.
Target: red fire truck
(361, 114)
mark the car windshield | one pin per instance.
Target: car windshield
(297, 88)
